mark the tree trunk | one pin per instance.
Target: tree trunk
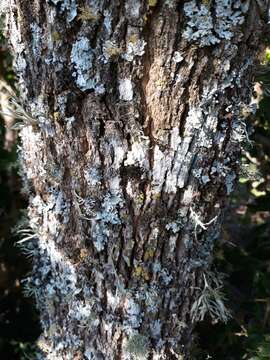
(132, 127)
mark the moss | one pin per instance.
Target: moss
(207, 2)
(152, 3)
(87, 14)
(56, 116)
(149, 254)
(140, 272)
(56, 37)
(133, 38)
(83, 254)
(114, 51)
(156, 196)
(139, 199)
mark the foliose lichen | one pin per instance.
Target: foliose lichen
(137, 346)
(107, 216)
(134, 48)
(82, 58)
(208, 29)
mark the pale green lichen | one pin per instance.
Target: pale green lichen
(210, 301)
(207, 29)
(82, 58)
(105, 218)
(137, 346)
(135, 47)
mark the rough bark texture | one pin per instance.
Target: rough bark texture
(129, 158)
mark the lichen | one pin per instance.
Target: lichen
(155, 328)
(137, 346)
(111, 50)
(133, 315)
(36, 39)
(106, 217)
(138, 154)
(173, 226)
(125, 90)
(207, 29)
(86, 13)
(152, 3)
(93, 176)
(210, 301)
(177, 57)
(135, 47)
(107, 21)
(82, 58)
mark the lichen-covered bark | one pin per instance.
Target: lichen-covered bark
(131, 153)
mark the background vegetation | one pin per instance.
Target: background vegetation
(19, 326)
(242, 255)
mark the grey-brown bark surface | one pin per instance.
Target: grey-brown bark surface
(130, 147)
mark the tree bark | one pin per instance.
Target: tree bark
(132, 129)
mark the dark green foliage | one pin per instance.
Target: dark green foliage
(6, 70)
(19, 325)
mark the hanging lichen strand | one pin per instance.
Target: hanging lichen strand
(129, 163)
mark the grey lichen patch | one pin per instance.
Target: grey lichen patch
(125, 89)
(137, 346)
(83, 313)
(155, 328)
(16, 41)
(239, 132)
(177, 57)
(203, 178)
(93, 176)
(230, 182)
(37, 39)
(107, 23)
(82, 58)
(135, 47)
(133, 315)
(133, 8)
(55, 211)
(56, 283)
(207, 29)
(106, 217)
(175, 225)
